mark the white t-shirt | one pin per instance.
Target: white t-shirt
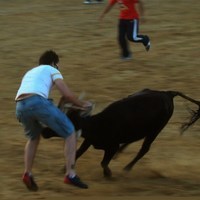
(39, 80)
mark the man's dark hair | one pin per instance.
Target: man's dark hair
(48, 57)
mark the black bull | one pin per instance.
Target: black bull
(141, 115)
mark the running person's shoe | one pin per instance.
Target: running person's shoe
(92, 2)
(87, 2)
(29, 182)
(148, 44)
(76, 181)
(126, 58)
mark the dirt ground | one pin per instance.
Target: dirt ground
(90, 62)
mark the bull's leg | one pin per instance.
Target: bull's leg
(109, 153)
(144, 149)
(121, 149)
(84, 146)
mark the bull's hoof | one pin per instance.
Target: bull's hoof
(107, 173)
(127, 168)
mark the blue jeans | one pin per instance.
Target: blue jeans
(36, 111)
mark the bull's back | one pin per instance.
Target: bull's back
(134, 117)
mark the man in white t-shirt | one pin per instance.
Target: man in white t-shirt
(34, 109)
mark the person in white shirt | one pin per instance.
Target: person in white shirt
(34, 109)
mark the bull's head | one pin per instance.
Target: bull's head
(75, 113)
(67, 108)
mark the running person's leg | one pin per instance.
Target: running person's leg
(133, 29)
(122, 31)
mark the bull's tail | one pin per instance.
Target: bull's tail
(195, 115)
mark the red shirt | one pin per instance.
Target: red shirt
(127, 8)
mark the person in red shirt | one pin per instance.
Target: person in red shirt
(128, 24)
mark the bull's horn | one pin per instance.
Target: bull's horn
(70, 105)
(82, 95)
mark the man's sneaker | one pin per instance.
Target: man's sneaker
(148, 46)
(75, 181)
(29, 182)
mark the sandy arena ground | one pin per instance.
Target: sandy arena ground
(90, 62)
